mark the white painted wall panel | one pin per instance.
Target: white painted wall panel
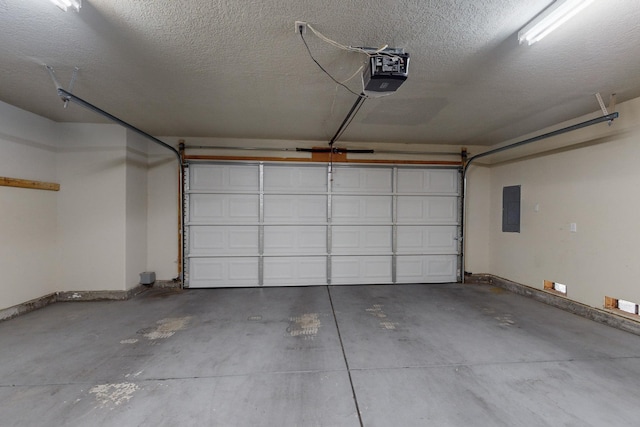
(361, 209)
(426, 269)
(352, 270)
(301, 179)
(292, 240)
(295, 209)
(224, 208)
(427, 210)
(223, 272)
(362, 179)
(295, 271)
(361, 239)
(428, 181)
(427, 239)
(223, 240)
(227, 178)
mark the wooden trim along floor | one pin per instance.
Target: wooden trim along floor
(64, 296)
(603, 316)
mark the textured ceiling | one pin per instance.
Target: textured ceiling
(232, 69)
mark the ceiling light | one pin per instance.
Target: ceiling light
(66, 4)
(551, 18)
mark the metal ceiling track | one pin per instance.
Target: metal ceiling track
(67, 96)
(347, 120)
(606, 118)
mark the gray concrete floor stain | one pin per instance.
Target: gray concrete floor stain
(441, 355)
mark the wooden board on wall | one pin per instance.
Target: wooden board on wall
(26, 183)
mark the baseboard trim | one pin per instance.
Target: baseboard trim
(26, 307)
(173, 284)
(596, 314)
(66, 296)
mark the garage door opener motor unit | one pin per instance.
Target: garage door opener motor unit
(387, 70)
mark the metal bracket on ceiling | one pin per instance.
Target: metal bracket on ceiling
(74, 77)
(612, 105)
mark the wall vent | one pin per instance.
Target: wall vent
(555, 287)
(627, 307)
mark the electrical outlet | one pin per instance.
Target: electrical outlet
(301, 27)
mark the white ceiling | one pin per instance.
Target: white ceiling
(235, 69)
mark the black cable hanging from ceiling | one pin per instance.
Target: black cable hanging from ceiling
(324, 70)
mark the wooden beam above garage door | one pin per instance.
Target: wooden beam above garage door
(322, 159)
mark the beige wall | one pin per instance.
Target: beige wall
(91, 207)
(136, 213)
(90, 235)
(28, 229)
(477, 214)
(162, 225)
(594, 186)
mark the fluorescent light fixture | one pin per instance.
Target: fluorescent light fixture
(559, 12)
(66, 4)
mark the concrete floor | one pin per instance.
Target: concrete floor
(404, 355)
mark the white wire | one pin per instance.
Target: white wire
(353, 75)
(335, 43)
(349, 48)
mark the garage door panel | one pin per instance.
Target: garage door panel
(223, 240)
(427, 210)
(347, 270)
(349, 209)
(227, 178)
(362, 180)
(295, 271)
(361, 239)
(428, 181)
(426, 269)
(223, 272)
(295, 209)
(223, 208)
(295, 179)
(273, 228)
(427, 239)
(284, 239)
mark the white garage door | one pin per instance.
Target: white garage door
(297, 225)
